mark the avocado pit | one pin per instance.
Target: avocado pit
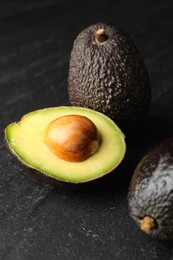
(72, 138)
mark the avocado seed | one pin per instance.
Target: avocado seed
(72, 138)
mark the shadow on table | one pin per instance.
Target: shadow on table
(148, 134)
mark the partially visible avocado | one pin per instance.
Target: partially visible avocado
(67, 144)
(108, 74)
(150, 196)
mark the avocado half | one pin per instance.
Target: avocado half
(108, 74)
(150, 196)
(26, 141)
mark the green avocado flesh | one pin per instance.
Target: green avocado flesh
(26, 140)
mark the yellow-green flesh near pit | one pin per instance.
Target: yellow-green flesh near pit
(26, 140)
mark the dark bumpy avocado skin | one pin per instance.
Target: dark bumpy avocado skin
(151, 190)
(110, 77)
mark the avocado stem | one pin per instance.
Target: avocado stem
(100, 36)
(147, 224)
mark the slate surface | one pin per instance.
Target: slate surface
(38, 220)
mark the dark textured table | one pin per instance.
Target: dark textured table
(38, 220)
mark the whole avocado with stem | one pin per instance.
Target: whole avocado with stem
(108, 74)
(150, 197)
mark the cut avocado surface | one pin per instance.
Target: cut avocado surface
(26, 140)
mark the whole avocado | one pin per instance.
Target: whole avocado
(108, 74)
(150, 196)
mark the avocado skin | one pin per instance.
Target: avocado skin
(47, 179)
(71, 186)
(151, 190)
(98, 183)
(95, 183)
(109, 77)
